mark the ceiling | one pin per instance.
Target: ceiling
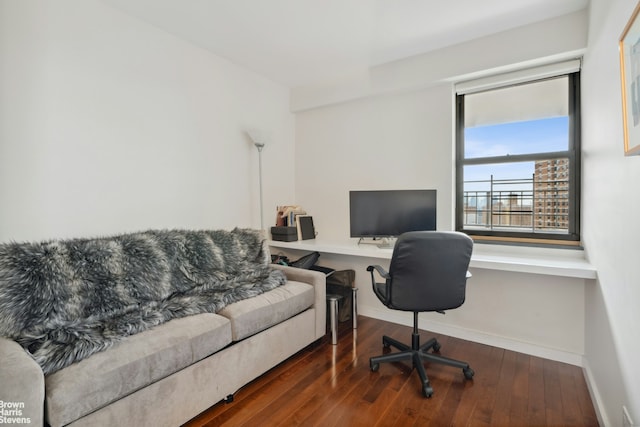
(304, 42)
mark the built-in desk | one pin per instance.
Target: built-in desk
(526, 299)
(555, 262)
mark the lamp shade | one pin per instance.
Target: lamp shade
(258, 137)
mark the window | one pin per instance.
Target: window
(518, 159)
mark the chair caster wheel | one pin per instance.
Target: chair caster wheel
(436, 347)
(468, 373)
(427, 391)
(374, 366)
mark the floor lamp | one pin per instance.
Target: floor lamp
(259, 144)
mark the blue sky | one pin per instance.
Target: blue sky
(543, 135)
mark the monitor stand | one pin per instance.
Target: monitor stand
(386, 243)
(381, 242)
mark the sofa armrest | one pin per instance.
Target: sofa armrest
(22, 380)
(319, 282)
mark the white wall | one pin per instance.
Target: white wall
(611, 203)
(108, 124)
(391, 142)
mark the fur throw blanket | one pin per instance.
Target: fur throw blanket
(65, 300)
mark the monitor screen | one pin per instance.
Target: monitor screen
(389, 213)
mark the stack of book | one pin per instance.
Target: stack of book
(293, 223)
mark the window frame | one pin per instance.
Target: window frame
(573, 154)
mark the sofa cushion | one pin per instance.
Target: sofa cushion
(253, 315)
(134, 363)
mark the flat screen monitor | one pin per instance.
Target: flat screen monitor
(389, 213)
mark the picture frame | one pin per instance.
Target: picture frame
(306, 230)
(629, 49)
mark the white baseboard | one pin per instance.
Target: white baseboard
(402, 318)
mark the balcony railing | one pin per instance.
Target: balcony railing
(517, 205)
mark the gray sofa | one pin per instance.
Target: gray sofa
(161, 376)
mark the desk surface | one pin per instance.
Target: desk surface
(555, 262)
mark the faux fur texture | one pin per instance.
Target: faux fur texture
(65, 300)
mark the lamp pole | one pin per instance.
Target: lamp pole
(260, 146)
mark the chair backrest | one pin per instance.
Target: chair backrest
(428, 271)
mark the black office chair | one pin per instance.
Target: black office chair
(428, 272)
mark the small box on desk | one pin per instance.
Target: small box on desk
(284, 234)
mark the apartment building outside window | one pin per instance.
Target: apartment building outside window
(518, 157)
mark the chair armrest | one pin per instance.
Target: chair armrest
(22, 382)
(381, 271)
(382, 296)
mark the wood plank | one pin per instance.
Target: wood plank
(484, 402)
(481, 359)
(536, 411)
(520, 391)
(320, 376)
(500, 414)
(312, 397)
(444, 380)
(552, 395)
(346, 380)
(571, 412)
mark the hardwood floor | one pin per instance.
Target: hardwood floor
(327, 385)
